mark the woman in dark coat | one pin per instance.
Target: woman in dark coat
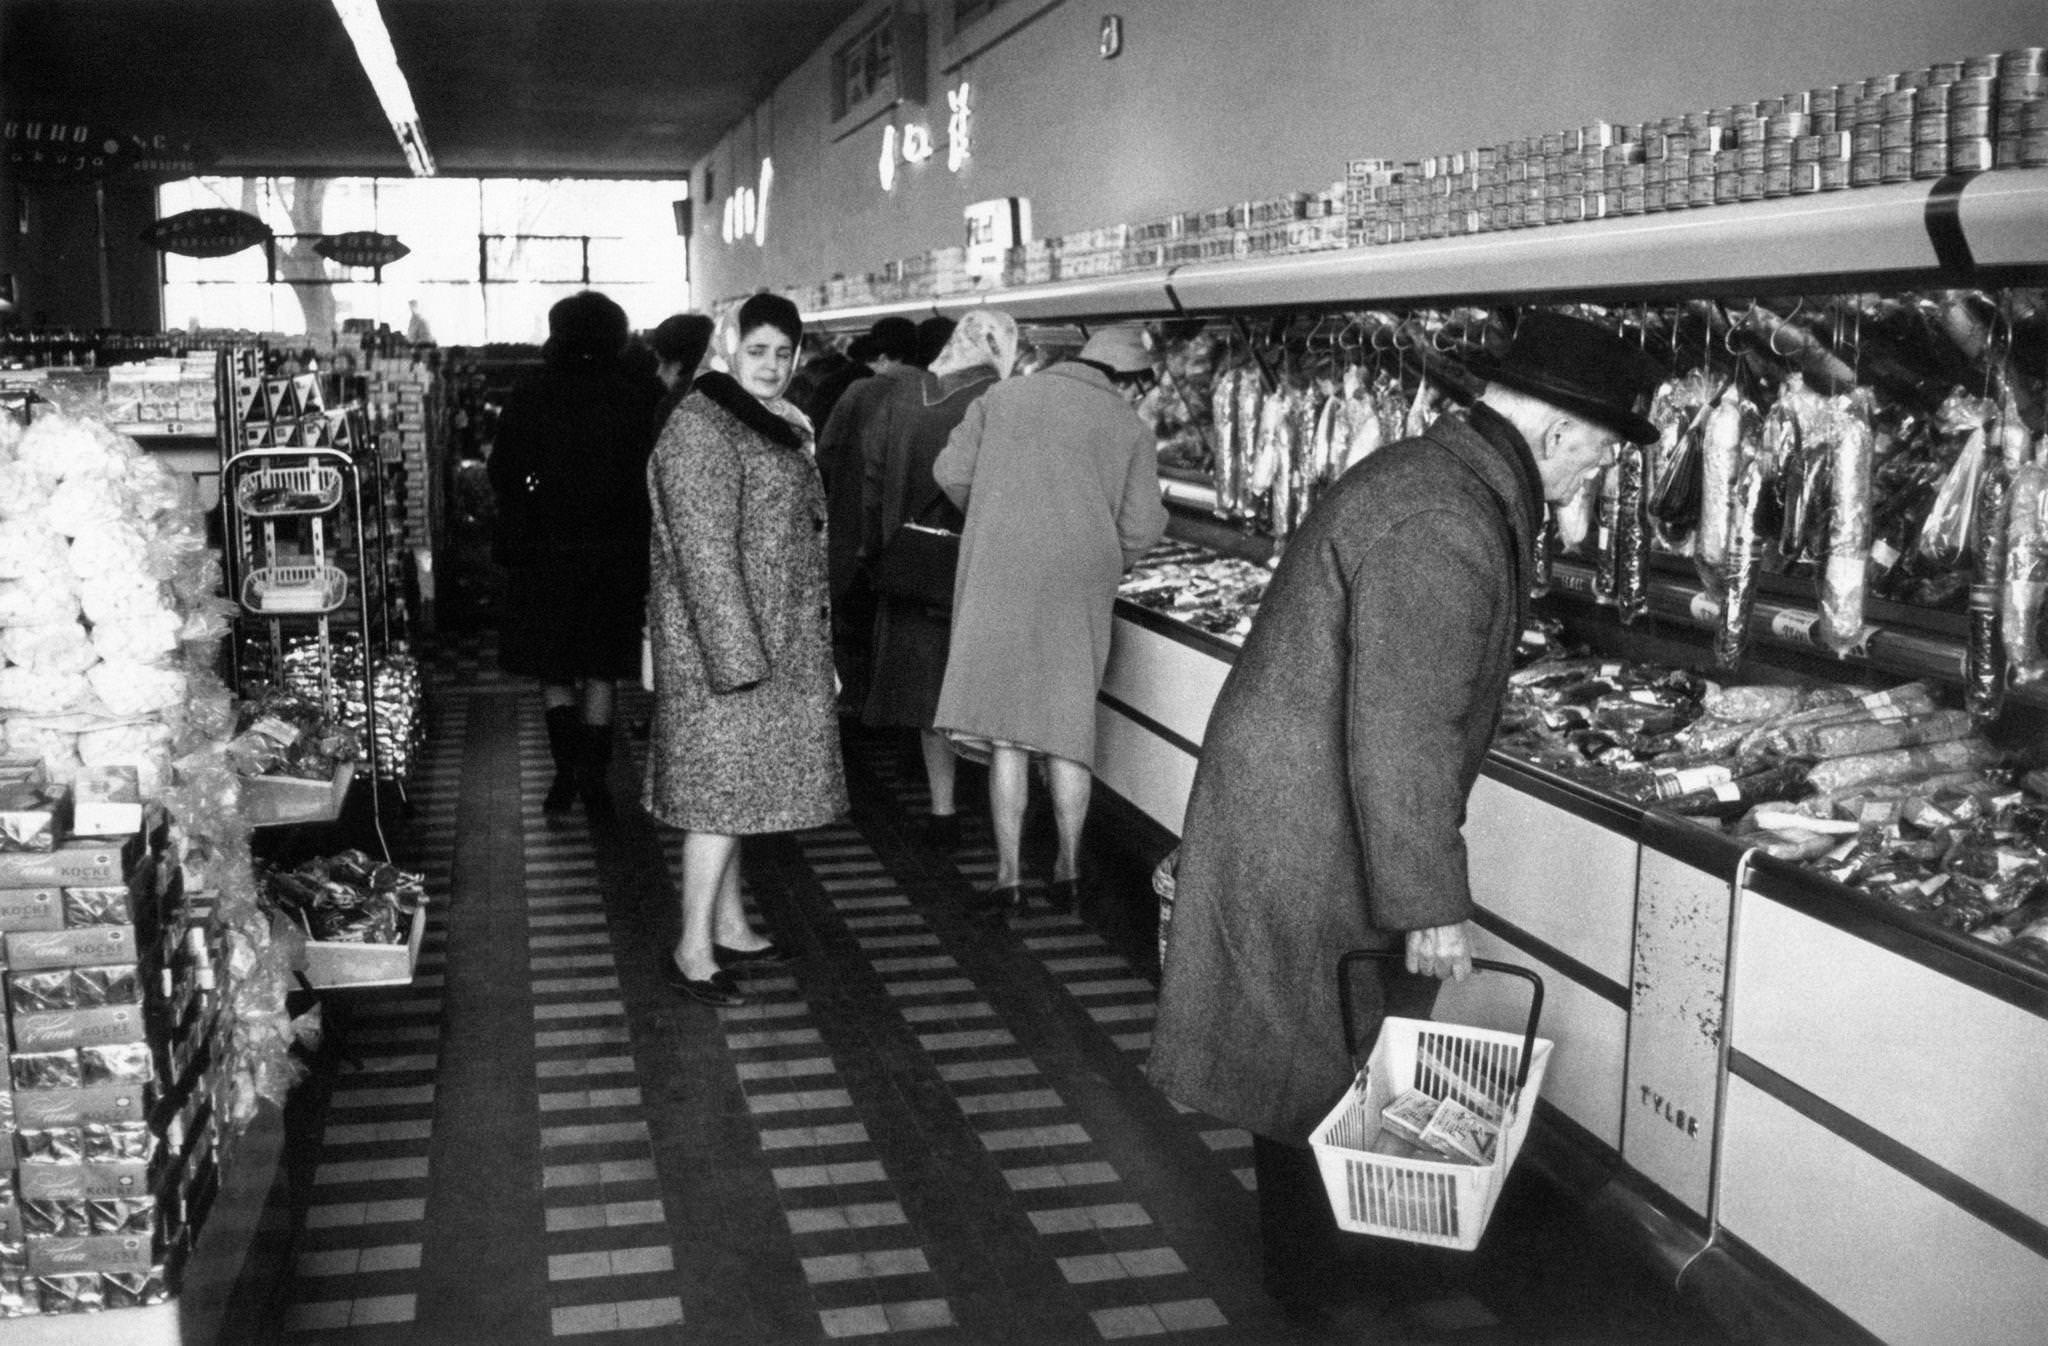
(910, 637)
(569, 469)
(745, 736)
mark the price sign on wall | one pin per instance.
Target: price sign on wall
(993, 228)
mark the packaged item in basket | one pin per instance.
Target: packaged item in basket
(79, 1293)
(46, 1070)
(1409, 1115)
(55, 1219)
(1461, 1133)
(115, 1063)
(98, 906)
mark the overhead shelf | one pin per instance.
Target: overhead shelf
(1929, 231)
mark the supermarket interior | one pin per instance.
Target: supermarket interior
(331, 1018)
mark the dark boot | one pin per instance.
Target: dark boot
(565, 741)
(593, 770)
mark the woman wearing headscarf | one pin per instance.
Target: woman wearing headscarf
(1060, 481)
(569, 470)
(911, 637)
(745, 736)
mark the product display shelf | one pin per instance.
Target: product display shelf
(1976, 229)
(319, 545)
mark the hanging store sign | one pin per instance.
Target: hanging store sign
(993, 228)
(912, 144)
(45, 150)
(215, 232)
(959, 122)
(363, 247)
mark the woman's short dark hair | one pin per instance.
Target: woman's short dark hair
(587, 325)
(681, 339)
(772, 310)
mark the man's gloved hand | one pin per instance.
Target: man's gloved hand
(1441, 951)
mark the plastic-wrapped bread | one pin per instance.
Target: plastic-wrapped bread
(1845, 570)
(2026, 574)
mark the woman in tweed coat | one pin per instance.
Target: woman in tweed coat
(745, 737)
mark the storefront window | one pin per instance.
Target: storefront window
(488, 256)
(862, 67)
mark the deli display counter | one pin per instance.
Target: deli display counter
(1794, 1084)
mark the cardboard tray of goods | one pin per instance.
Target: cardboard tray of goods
(274, 801)
(330, 966)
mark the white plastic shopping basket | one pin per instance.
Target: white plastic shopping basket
(1441, 1203)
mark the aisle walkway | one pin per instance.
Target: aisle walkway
(922, 1126)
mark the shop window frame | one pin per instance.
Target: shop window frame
(879, 23)
(962, 41)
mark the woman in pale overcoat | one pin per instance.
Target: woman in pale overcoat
(1060, 481)
(745, 736)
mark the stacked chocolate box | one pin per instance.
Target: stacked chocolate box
(102, 1100)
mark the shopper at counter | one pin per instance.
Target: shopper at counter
(847, 440)
(1326, 808)
(909, 659)
(569, 473)
(745, 739)
(1060, 481)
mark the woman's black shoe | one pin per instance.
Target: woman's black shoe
(1063, 894)
(996, 903)
(716, 990)
(771, 954)
(942, 832)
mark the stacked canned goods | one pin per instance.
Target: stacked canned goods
(1951, 117)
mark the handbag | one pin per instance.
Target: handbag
(918, 562)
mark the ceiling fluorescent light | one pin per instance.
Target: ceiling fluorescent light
(365, 24)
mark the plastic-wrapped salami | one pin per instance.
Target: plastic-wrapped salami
(1744, 558)
(1844, 573)
(1362, 422)
(1720, 461)
(1223, 457)
(1984, 654)
(1251, 397)
(1632, 532)
(2026, 574)
(1606, 534)
(1963, 754)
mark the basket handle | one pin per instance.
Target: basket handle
(1344, 1000)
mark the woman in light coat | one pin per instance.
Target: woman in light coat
(1060, 481)
(745, 736)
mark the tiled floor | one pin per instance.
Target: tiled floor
(921, 1126)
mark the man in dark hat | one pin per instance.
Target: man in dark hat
(1326, 808)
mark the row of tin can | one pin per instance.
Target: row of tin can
(1970, 116)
